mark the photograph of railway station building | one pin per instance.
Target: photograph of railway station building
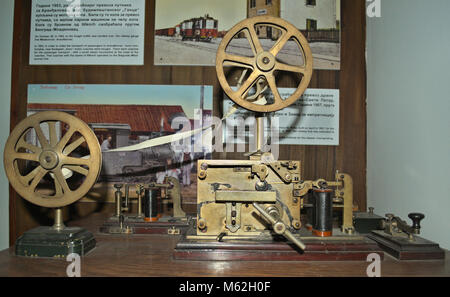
(147, 112)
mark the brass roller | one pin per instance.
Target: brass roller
(264, 63)
(52, 159)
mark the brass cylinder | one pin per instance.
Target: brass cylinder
(59, 223)
(118, 203)
(139, 210)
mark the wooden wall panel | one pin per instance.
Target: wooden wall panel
(318, 161)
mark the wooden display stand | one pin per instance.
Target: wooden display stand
(316, 250)
(164, 226)
(405, 249)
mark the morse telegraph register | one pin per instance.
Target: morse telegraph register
(256, 208)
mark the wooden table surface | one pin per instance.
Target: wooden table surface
(151, 255)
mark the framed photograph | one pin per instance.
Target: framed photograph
(126, 115)
(188, 32)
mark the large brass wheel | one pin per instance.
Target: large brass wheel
(264, 63)
(52, 159)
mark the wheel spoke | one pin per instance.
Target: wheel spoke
(253, 38)
(245, 87)
(59, 178)
(27, 178)
(75, 161)
(273, 87)
(238, 61)
(65, 139)
(280, 43)
(58, 188)
(71, 147)
(290, 68)
(37, 178)
(40, 135)
(23, 144)
(25, 156)
(52, 133)
(78, 169)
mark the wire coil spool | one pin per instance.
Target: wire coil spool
(323, 212)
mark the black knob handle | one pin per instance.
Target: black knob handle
(416, 218)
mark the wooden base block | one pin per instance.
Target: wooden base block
(132, 225)
(46, 242)
(316, 250)
(404, 249)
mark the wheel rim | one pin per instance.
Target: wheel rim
(264, 63)
(52, 157)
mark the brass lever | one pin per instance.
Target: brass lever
(279, 227)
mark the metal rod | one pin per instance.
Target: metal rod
(127, 192)
(139, 193)
(118, 203)
(59, 223)
(286, 232)
(259, 132)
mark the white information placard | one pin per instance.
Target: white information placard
(311, 120)
(87, 32)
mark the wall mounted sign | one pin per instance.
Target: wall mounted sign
(87, 32)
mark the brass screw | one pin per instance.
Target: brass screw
(202, 174)
(201, 224)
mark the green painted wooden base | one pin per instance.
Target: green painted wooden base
(46, 242)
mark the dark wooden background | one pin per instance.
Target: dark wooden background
(317, 161)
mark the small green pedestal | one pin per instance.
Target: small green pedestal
(48, 242)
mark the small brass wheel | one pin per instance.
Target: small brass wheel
(51, 160)
(264, 62)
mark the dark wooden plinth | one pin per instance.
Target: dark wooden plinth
(404, 249)
(135, 226)
(316, 250)
(47, 242)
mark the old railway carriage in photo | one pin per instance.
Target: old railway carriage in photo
(199, 29)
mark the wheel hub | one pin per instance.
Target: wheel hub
(48, 159)
(265, 61)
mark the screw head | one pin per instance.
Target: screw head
(279, 228)
(202, 174)
(201, 224)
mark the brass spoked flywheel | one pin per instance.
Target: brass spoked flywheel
(52, 159)
(264, 63)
